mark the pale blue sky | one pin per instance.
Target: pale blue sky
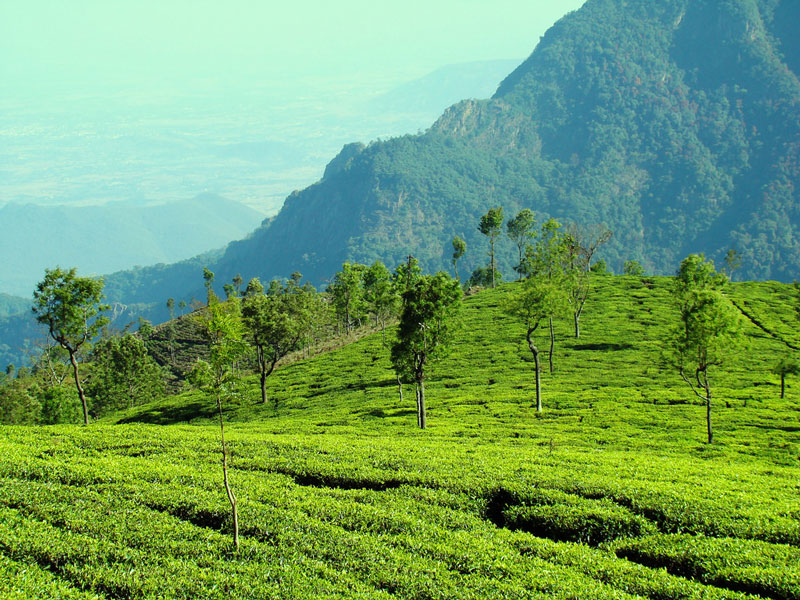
(88, 43)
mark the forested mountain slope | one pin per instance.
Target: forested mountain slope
(676, 123)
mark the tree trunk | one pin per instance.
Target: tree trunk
(262, 367)
(455, 268)
(228, 490)
(537, 370)
(400, 388)
(783, 381)
(577, 319)
(421, 402)
(552, 344)
(491, 245)
(78, 385)
(708, 416)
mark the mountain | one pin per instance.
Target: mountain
(101, 239)
(13, 305)
(444, 86)
(675, 123)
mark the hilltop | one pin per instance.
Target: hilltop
(609, 493)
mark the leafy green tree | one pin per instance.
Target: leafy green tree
(708, 329)
(540, 298)
(490, 225)
(70, 307)
(549, 260)
(521, 231)
(237, 283)
(225, 331)
(482, 277)
(123, 374)
(425, 330)
(787, 365)
(275, 324)
(208, 282)
(347, 294)
(633, 267)
(733, 261)
(254, 288)
(380, 295)
(406, 274)
(459, 248)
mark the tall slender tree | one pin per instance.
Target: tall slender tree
(425, 330)
(540, 298)
(223, 326)
(548, 260)
(521, 231)
(459, 248)
(582, 242)
(490, 225)
(70, 307)
(708, 329)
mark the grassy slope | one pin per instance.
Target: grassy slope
(342, 497)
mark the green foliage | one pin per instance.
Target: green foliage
(490, 225)
(482, 278)
(459, 248)
(69, 306)
(758, 568)
(123, 375)
(425, 330)
(709, 326)
(225, 333)
(347, 295)
(341, 499)
(633, 268)
(521, 231)
(276, 323)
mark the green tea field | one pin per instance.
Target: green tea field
(610, 492)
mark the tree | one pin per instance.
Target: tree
(208, 282)
(633, 267)
(733, 261)
(425, 330)
(459, 248)
(540, 298)
(380, 295)
(123, 374)
(347, 294)
(708, 329)
(582, 243)
(549, 260)
(490, 226)
(787, 365)
(70, 307)
(275, 324)
(521, 231)
(223, 327)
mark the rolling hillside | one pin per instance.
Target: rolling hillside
(609, 493)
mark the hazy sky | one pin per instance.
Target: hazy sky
(92, 44)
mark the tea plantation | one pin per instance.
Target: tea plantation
(610, 492)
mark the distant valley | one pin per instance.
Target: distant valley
(115, 236)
